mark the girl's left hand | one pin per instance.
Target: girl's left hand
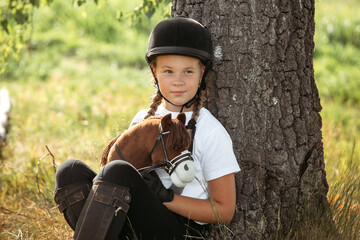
(154, 183)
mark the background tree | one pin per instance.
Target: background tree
(263, 90)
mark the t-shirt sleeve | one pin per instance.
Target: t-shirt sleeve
(218, 159)
(138, 117)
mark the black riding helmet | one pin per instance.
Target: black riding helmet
(181, 36)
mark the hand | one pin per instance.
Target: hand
(154, 183)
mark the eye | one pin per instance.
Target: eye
(168, 71)
(189, 72)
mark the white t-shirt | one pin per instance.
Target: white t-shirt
(212, 152)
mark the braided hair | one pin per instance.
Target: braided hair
(154, 105)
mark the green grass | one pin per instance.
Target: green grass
(337, 50)
(75, 115)
(77, 86)
(80, 82)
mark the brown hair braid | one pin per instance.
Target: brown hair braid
(199, 102)
(198, 105)
(154, 105)
(196, 111)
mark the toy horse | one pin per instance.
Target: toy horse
(140, 146)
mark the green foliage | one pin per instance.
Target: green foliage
(148, 8)
(90, 33)
(337, 50)
(15, 24)
(14, 16)
(107, 21)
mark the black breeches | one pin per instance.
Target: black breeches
(148, 218)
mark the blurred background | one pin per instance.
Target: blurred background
(78, 76)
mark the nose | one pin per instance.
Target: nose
(186, 168)
(178, 80)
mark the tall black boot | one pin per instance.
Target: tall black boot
(105, 202)
(71, 200)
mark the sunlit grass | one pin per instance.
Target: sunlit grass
(338, 77)
(75, 115)
(341, 133)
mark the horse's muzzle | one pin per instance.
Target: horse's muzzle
(181, 169)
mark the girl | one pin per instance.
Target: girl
(119, 203)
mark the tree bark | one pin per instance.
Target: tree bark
(262, 90)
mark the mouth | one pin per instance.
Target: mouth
(178, 93)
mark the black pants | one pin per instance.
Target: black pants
(148, 218)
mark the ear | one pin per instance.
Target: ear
(182, 118)
(165, 122)
(153, 70)
(202, 71)
(203, 68)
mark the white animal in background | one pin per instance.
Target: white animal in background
(4, 112)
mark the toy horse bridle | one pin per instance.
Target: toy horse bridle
(169, 165)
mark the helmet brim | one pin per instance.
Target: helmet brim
(178, 50)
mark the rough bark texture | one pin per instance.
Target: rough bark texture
(262, 89)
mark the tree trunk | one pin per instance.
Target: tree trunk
(263, 91)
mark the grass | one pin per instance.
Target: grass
(71, 92)
(75, 119)
(79, 84)
(337, 46)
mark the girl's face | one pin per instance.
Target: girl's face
(179, 78)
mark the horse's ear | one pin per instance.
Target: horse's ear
(182, 118)
(165, 122)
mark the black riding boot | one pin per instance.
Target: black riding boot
(105, 204)
(71, 199)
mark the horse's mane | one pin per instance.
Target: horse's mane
(178, 138)
(107, 150)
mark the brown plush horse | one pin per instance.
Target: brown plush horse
(141, 145)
